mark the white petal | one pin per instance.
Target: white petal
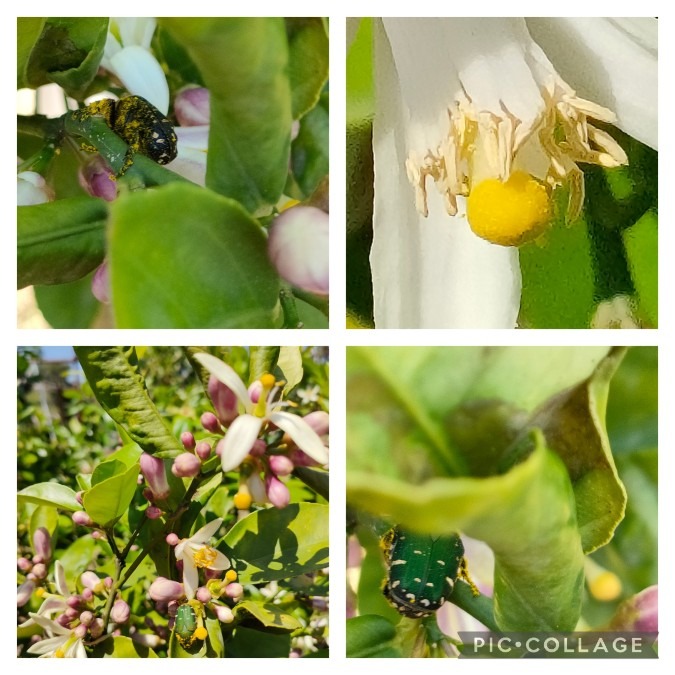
(190, 578)
(205, 533)
(428, 272)
(60, 579)
(78, 651)
(180, 549)
(239, 440)
(136, 30)
(227, 375)
(47, 646)
(304, 436)
(222, 562)
(613, 62)
(190, 163)
(49, 625)
(142, 75)
(196, 137)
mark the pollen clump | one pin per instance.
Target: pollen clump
(509, 213)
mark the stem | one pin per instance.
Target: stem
(480, 607)
(287, 300)
(317, 301)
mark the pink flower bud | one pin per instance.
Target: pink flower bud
(63, 620)
(24, 564)
(259, 448)
(98, 179)
(203, 450)
(172, 608)
(80, 631)
(40, 571)
(42, 543)
(74, 601)
(203, 595)
(71, 613)
(165, 590)
(281, 465)
(91, 581)
(37, 559)
(188, 440)
(298, 248)
(24, 592)
(277, 492)
(223, 613)
(192, 106)
(82, 518)
(172, 539)
(224, 401)
(120, 612)
(108, 581)
(319, 421)
(186, 465)
(153, 512)
(255, 389)
(100, 284)
(86, 618)
(639, 613)
(235, 591)
(78, 497)
(210, 422)
(87, 594)
(96, 628)
(31, 577)
(152, 469)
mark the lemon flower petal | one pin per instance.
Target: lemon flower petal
(239, 440)
(227, 375)
(304, 436)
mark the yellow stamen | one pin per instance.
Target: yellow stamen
(267, 381)
(231, 575)
(242, 500)
(509, 213)
(205, 557)
(59, 654)
(200, 633)
(39, 592)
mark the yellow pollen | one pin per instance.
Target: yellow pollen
(205, 557)
(59, 654)
(231, 575)
(605, 587)
(39, 592)
(200, 633)
(267, 381)
(509, 213)
(242, 500)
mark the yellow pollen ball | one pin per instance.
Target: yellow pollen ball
(242, 500)
(509, 213)
(231, 575)
(267, 381)
(605, 587)
(200, 633)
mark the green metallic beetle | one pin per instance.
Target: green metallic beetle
(189, 625)
(422, 570)
(144, 128)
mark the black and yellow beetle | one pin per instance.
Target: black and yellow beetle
(422, 570)
(144, 128)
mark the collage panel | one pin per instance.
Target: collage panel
(502, 502)
(502, 172)
(172, 172)
(172, 502)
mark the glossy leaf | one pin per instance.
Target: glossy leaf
(371, 636)
(244, 63)
(309, 151)
(78, 557)
(122, 647)
(268, 615)
(280, 543)
(641, 242)
(60, 241)
(209, 251)
(115, 379)
(251, 643)
(106, 501)
(50, 494)
(70, 305)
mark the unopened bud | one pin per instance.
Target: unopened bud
(153, 470)
(42, 543)
(281, 465)
(235, 591)
(86, 617)
(24, 592)
(82, 518)
(277, 492)
(203, 450)
(210, 422)
(120, 612)
(100, 284)
(192, 106)
(153, 512)
(186, 465)
(80, 631)
(224, 401)
(24, 564)
(188, 440)
(223, 613)
(203, 595)
(96, 628)
(165, 590)
(40, 571)
(91, 581)
(172, 539)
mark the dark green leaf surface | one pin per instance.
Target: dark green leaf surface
(370, 636)
(250, 643)
(60, 241)
(184, 257)
(244, 64)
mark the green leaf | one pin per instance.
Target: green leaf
(113, 374)
(204, 267)
(268, 615)
(370, 636)
(290, 364)
(309, 150)
(43, 516)
(527, 516)
(641, 242)
(263, 360)
(280, 543)
(249, 136)
(315, 479)
(66, 51)
(308, 62)
(70, 305)
(250, 643)
(78, 557)
(121, 647)
(107, 500)
(28, 32)
(215, 645)
(59, 241)
(50, 494)
(106, 470)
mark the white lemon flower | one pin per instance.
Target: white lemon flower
(195, 553)
(63, 642)
(244, 430)
(474, 128)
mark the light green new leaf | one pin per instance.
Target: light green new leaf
(113, 374)
(122, 647)
(107, 500)
(60, 241)
(268, 615)
(371, 636)
(244, 63)
(290, 363)
(50, 494)
(641, 243)
(183, 257)
(527, 516)
(280, 543)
